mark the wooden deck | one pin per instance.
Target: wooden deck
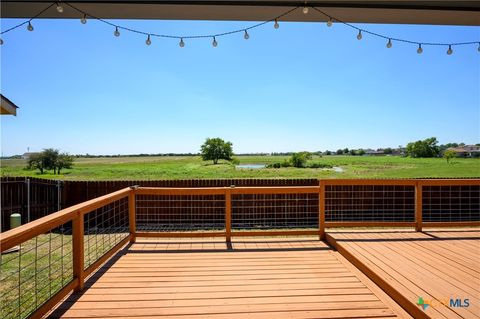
(251, 278)
(435, 264)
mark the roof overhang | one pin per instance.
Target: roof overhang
(7, 107)
(441, 12)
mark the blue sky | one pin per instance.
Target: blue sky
(302, 87)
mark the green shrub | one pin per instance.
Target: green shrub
(319, 165)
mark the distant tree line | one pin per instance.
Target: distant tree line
(50, 159)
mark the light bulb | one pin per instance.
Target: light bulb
(59, 8)
(214, 42)
(329, 22)
(181, 43)
(148, 41)
(389, 43)
(419, 50)
(359, 35)
(30, 26)
(246, 36)
(449, 51)
(276, 25)
(83, 20)
(305, 10)
(1, 41)
(116, 33)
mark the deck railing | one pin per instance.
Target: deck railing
(50, 257)
(53, 255)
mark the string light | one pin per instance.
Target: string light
(359, 35)
(419, 50)
(214, 42)
(148, 41)
(449, 51)
(305, 9)
(276, 25)
(59, 8)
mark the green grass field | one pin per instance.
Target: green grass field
(151, 168)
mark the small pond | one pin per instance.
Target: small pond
(250, 166)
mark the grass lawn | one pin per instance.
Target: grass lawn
(191, 167)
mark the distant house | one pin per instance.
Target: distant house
(26, 156)
(466, 151)
(7, 107)
(371, 152)
(399, 151)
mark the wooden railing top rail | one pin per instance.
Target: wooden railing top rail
(16, 236)
(386, 182)
(400, 182)
(223, 190)
(449, 182)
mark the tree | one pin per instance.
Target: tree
(327, 152)
(360, 152)
(50, 156)
(63, 161)
(300, 159)
(215, 149)
(35, 161)
(346, 150)
(352, 152)
(426, 148)
(449, 154)
(339, 152)
(48, 159)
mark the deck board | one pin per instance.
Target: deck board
(204, 278)
(435, 264)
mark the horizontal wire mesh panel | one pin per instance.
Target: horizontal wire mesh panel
(34, 271)
(451, 203)
(369, 203)
(104, 228)
(180, 212)
(274, 211)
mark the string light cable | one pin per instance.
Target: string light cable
(84, 16)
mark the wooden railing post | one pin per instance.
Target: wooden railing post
(78, 251)
(321, 211)
(228, 214)
(418, 205)
(132, 213)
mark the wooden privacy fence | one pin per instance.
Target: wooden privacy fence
(32, 198)
(56, 252)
